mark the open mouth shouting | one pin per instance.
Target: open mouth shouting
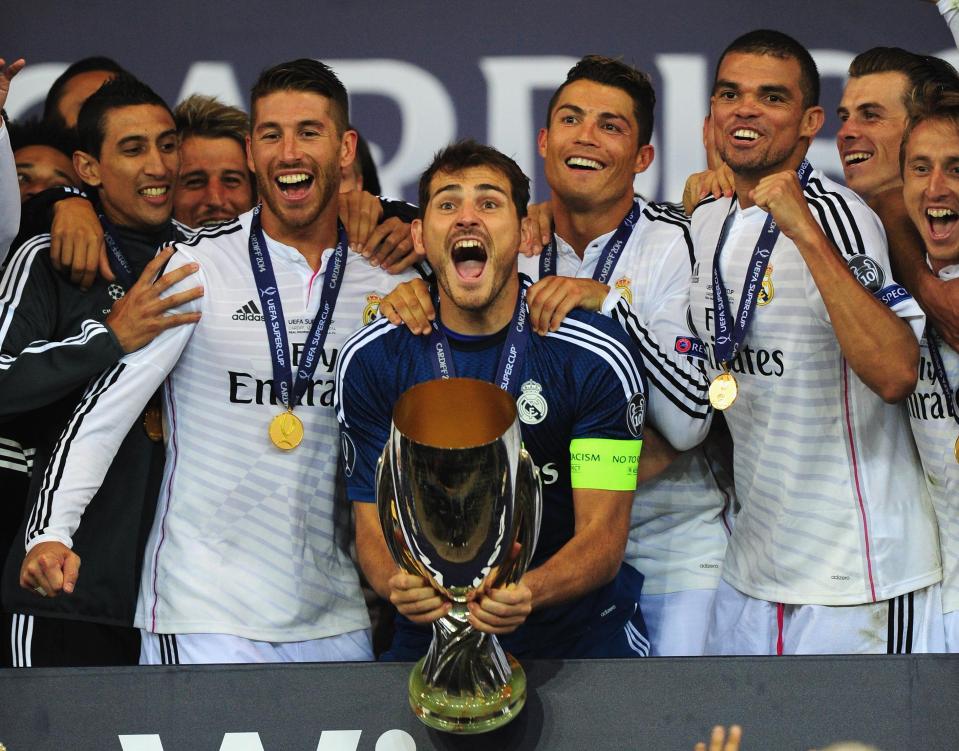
(941, 222)
(294, 185)
(745, 135)
(469, 258)
(583, 163)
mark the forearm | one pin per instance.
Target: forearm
(879, 346)
(374, 557)
(590, 559)
(656, 457)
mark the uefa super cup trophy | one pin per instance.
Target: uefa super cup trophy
(460, 503)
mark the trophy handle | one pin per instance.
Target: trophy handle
(527, 517)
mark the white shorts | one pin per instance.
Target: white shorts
(951, 626)
(743, 625)
(677, 621)
(212, 649)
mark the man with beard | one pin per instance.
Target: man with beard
(580, 393)
(812, 345)
(246, 560)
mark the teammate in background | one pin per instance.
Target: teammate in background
(54, 338)
(808, 361)
(246, 560)
(585, 392)
(930, 155)
(43, 156)
(214, 184)
(620, 253)
(74, 86)
(362, 174)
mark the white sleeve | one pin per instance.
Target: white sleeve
(9, 194)
(949, 9)
(110, 406)
(656, 322)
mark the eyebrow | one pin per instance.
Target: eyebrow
(140, 138)
(457, 188)
(31, 165)
(580, 111)
(318, 124)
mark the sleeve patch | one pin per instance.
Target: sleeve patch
(867, 272)
(691, 347)
(892, 295)
(604, 463)
(636, 415)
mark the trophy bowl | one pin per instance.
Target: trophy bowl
(460, 503)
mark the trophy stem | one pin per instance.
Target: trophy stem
(466, 683)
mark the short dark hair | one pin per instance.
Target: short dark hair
(122, 91)
(611, 72)
(51, 105)
(783, 46)
(930, 101)
(465, 154)
(918, 69)
(304, 74)
(36, 132)
(208, 117)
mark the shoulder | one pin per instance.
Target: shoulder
(231, 234)
(594, 335)
(371, 342)
(666, 216)
(846, 219)
(32, 254)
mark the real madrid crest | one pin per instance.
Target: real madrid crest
(372, 308)
(624, 289)
(531, 405)
(767, 290)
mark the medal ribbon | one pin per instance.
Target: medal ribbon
(514, 348)
(609, 256)
(292, 390)
(118, 262)
(939, 369)
(731, 334)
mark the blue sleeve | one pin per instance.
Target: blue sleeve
(364, 410)
(611, 394)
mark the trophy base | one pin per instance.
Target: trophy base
(475, 713)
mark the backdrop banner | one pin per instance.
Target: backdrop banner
(903, 703)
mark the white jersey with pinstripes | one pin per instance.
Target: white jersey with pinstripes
(834, 510)
(248, 539)
(936, 435)
(677, 538)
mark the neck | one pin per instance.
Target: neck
(484, 321)
(939, 265)
(580, 226)
(310, 240)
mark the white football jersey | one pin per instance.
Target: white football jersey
(834, 510)
(936, 433)
(248, 539)
(677, 538)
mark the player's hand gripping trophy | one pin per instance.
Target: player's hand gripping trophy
(460, 503)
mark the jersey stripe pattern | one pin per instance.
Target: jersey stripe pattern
(936, 433)
(677, 539)
(834, 510)
(248, 539)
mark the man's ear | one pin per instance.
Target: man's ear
(812, 121)
(416, 232)
(525, 232)
(541, 141)
(348, 148)
(87, 168)
(644, 158)
(249, 155)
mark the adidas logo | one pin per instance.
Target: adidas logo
(248, 312)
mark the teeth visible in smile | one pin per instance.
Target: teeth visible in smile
(752, 135)
(940, 213)
(155, 192)
(299, 177)
(579, 161)
(856, 156)
(469, 243)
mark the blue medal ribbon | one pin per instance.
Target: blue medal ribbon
(292, 390)
(119, 264)
(939, 369)
(514, 348)
(609, 256)
(731, 334)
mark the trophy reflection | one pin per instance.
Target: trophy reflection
(455, 494)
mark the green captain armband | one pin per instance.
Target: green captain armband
(604, 463)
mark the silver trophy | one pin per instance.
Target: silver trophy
(460, 503)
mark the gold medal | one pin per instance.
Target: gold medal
(153, 419)
(955, 450)
(286, 431)
(723, 391)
